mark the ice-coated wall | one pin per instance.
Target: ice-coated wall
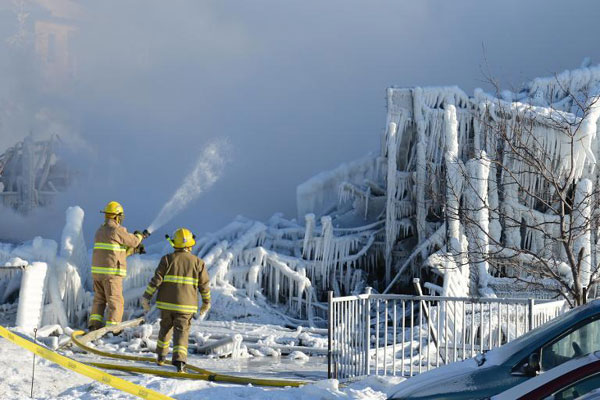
(436, 159)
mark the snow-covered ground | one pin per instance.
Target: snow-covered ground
(257, 350)
(269, 280)
(55, 382)
(261, 346)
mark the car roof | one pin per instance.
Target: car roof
(531, 384)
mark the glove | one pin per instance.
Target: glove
(145, 304)
(140, 249)
(203, 311)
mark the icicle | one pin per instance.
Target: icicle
(421, 166)
(367, 202)
(215, 253)
(453, 174)
(477, 198)
(327, 269)
(390, 221)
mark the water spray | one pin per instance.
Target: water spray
(208, 170)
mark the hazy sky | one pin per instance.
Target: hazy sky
(296, 87)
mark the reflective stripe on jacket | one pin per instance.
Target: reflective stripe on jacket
(112, 245)
(178, 278)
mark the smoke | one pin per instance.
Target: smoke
(136, 87)
(209, 168)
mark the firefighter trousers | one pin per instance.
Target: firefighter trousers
(178, 325)
(108, 294)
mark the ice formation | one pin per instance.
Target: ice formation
(383, 219)
(31, 296)
(32, 174)
(436, 178)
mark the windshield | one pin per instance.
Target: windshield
(581, 341)
(502, 354)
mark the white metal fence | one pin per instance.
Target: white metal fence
(405, 335)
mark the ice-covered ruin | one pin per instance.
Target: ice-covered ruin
(31, 174)
(381, 220)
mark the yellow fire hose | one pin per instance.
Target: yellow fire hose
(201, 374)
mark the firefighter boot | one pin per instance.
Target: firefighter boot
(180, 365)
(160, 359)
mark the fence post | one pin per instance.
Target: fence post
(530, 319)
(368, 331)
(329, 334)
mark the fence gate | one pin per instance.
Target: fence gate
(405, 335)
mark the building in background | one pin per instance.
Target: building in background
(55, 24)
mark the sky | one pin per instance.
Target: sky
(293, 87)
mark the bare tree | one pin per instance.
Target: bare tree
(530, 193)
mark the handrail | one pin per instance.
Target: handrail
(439, 298)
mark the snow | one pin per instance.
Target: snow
(54, 382)
(51, 380)
(443, 374)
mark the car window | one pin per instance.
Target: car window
(577, 389)
(581, 341)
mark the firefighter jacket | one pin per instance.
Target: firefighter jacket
(178, 278)
(112, 245)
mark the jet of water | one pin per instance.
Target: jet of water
(208, 170)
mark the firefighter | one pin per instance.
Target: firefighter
(178, 278)
(112, 245)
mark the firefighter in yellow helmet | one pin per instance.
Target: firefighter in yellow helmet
(178, 278)
(112, 245)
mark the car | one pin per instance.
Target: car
(570, 380)
(571, 335)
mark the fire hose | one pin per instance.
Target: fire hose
(199, 373)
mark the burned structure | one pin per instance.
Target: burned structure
(32, 174)
(479, 195)
(483, 195)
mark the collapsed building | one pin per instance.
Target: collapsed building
(410, 211)
(406, 212)
(448, 164)
(32, 174)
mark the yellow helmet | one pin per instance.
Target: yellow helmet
(113, 208)
(183, 238)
